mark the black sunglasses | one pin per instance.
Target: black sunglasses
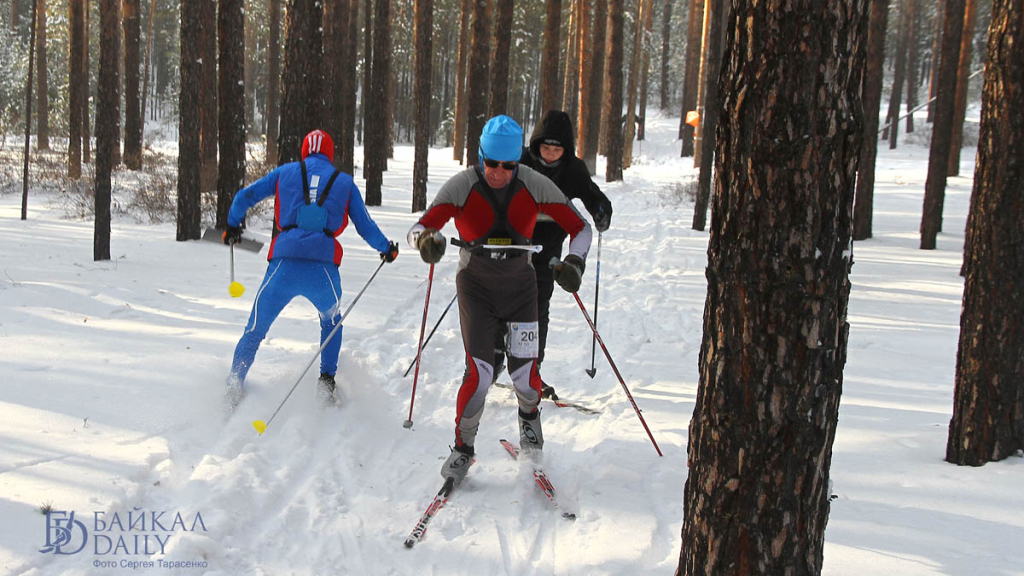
(505, 165)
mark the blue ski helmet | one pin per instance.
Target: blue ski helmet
(501, 139)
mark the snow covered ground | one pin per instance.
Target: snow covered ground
(113, 373)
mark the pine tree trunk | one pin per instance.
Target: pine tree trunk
(632, 85)
(477, 80)
(756, 499)
(461, 106)
(208, 143)
(273, 78)
(933, 80)
(377, 120)
(612, 107)
(988, 403)
(592, 91)
(76, 24)
(248, 80)
(963, 72)
(348, 128)
(302, 77)
(645, 70)
(336, 16)
(367, 79)
(913, 61)
(189, 121)
(691, 74)
(42, 81)
(106, 124)
(146, 70)
(942, 127)
(132, 106)
(424, 60)
(28, 113)
(571, 78)
(551, 98)
(666, 33)
(863, 210)
(892, 121)
(499, 59)
(716, 16)
(86, 131)
(231, 129)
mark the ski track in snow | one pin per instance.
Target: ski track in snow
(122, 367)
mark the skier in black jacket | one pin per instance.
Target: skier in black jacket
(552, 152)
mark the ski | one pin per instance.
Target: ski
(541, 479)
(560, 403)
(439, 501)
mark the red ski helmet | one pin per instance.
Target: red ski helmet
(320, 142)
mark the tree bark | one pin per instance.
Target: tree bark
(892, 117)
(913, 61)
(42, 81)
(499, 59)
(988, 402)
(273, 78)
(106, 125)
(632, 85)
(348, 130)
(86, 132)
(336, 16)
(302, 78)
(863, 209)
(132, 106)
(28, 112)
(424, 60)
(477, 80)
(756, 499)
(645, 69)
(691, 74)
(367, 77)
(571, 78)
(551, 96)
(717, 16)
(611, 110)
(666, 33)
(933, 80)
(459, 136)
(231, 114)
(208, 142)
(592, 90)
(146, 70)
(189, 122)
(377, 120)
(76, 40)
(942, 127)
(960, 102)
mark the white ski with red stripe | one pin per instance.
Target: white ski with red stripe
(541, 480)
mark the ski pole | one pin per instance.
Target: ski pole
(419, 351)
(425, 342)
(616, 370)
(597, 286)
(260, 425)
(235, 288)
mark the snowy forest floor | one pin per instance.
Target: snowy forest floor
(113, 377)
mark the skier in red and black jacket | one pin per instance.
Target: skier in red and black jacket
(552, 152)
(496, 208)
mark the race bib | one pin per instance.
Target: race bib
(524, 339)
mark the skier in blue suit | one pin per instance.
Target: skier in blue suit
(314, 204)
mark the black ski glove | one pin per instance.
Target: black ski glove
(391, 254)
(603, 218)
(431, 245)
(232, 235)
(569, 272)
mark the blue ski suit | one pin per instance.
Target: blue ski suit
(303, 260)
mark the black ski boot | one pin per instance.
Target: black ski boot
(531, 437)
(458, 463)
(325, 389)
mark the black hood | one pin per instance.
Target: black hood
(557, 125)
